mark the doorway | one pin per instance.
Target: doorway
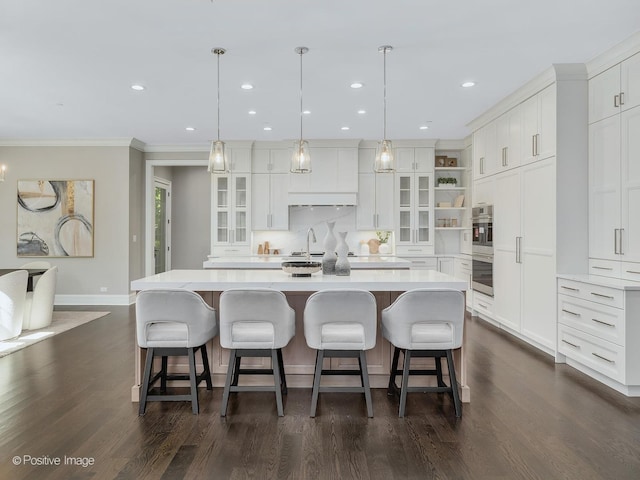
(162, 225)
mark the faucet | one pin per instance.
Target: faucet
(313, 234)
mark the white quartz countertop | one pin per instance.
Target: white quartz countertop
(388, 280)
(274, 262)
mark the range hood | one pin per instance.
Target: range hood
(319, 198)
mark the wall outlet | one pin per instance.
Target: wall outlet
(103, 289)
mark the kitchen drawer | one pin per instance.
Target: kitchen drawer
(231, 251)
(630, 271)
(592, 293)
(409, 250)
(483, 304)
(599, 320)
(604, 268)
(600, 355)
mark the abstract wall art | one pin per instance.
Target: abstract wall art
(55, 218)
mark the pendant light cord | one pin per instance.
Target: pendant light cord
(301, 52)
(384, 77)
(218, 98)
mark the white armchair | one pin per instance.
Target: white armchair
(38, 310)
(13, 291)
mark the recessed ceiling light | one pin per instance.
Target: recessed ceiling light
(137, 87)
(267, 129)
(344, 128)
(468, 84)
(246, 86)
(252, 112)
(357, 85)
(424, 127)
(362, 112)
(307, 112)
(190, 129)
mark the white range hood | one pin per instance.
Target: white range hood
(319, 198)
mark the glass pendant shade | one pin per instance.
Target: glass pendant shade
(218, 158)
(300, 160)
(384, 158)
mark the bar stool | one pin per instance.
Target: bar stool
(424, 323)
(255, 323)
(342, 324)
(170, 323)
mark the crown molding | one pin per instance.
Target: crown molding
(625, 49)
(71, 142)
(448, 144)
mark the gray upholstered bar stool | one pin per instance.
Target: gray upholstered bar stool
(425, 323)
(255, 323)
(173, 322)
(342, 324)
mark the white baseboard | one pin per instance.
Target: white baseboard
(127, 299)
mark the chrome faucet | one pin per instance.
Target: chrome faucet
(313, 234)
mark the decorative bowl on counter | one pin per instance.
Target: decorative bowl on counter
(301, 268)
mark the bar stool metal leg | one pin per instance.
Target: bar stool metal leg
(364, 376)
(277, 381)
(316, 382)
(227, 383)
(144, 391)
(405, 382)
(454, 384)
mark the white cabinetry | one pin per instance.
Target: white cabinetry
(231, 214)
(462, 269)
(598, 332)
(539, 125)
(614, 172)
(375, 210)
(414, 200)
(485, 158)
(615, 90)
(509, 139)
(269, 189)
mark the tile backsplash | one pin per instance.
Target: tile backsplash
(303, 218)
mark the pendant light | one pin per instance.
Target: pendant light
(384, 162)
(301, 160)
(218, 157)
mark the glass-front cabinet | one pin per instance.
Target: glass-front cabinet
(231, 213)
(414, 197)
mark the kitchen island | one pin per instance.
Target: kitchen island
(299, 359)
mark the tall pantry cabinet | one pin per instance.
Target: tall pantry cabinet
(614, 170)
(538, 187)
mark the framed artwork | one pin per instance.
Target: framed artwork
(452, 162)
(55, 218)
(441, 161)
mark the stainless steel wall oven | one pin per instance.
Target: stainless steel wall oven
(482, 249)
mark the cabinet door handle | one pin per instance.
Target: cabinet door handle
(533, 145)
(603, 323)
(482, 305)
(595, 267)
(602, 358)
(537, 144)
(621, 98)
(571, 313)
(609, 297)
(572, 344)
(615, 241)
(633, 271)
(481, 165)
(615, 101)
(518, 249)
(570, 288)
(621, 230)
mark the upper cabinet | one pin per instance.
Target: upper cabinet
(269, 189)
(539, 126)
(375, 210)
(231, 213)
(484, 151)
(414, 159)
(509, 139)
(615, 90)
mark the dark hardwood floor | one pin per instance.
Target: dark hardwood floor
(529, 419)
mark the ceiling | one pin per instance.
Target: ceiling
(67, 66)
